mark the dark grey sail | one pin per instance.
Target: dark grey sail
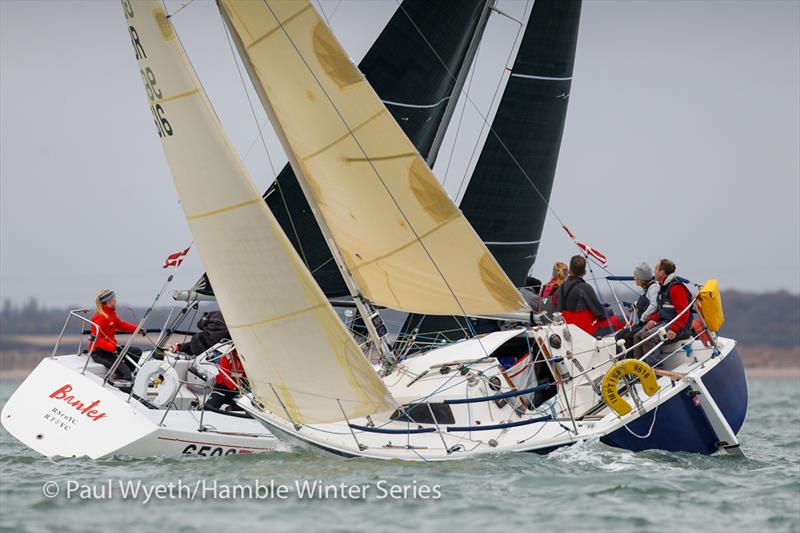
(500, 202)
(404, 66)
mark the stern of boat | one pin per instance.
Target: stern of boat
(702, 418)
(58, 411)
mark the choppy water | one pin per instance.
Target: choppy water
(585, 487)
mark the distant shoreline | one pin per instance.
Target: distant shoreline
(16, 364)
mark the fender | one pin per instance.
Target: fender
(627, 367)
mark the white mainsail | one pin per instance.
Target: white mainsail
(405, 243)
(293, 344)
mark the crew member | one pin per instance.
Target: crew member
(580, 305)
(104, 349)
(548, 301)
(673, 300)
(212, 330)
(230, 378)
(645, 305)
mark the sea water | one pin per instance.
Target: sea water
(588, 486)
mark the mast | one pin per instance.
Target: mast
(370, 317)
(459, 84)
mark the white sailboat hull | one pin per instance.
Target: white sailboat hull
(60, 412)
(484, 427)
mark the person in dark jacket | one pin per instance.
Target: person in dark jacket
(212, 330)
(103, 346)
(673, 299)
(579, 304)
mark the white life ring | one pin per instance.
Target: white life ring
(166, 389)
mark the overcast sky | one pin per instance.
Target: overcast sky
(682, 140)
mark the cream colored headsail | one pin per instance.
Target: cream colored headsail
(404, 241)
(288, 335)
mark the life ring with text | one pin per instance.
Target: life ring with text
(627, 367)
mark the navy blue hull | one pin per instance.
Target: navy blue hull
(681, 426)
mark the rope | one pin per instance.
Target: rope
(491, 104)
(461, 115)
(180, 9)
(652, 424)
(485, 119)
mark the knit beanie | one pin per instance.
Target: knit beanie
(643, 271)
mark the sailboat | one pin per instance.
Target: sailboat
(401, 243)
(398, 242)
(165, 413)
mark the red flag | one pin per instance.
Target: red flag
(597, 255)
(175, 259)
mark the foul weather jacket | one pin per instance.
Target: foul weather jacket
(231, 372)
(109, 324)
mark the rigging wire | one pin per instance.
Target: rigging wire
(492, 131)
(491, 104)
(180, 9)
(264, 143)
(372, 164)
(255, 140)
(461, 116)
(486, 120)
(328, 20)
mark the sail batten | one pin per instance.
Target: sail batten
(295, 350)
(405, 243)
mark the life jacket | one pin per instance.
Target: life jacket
(562, 293)
(666, 309)
(547, 301)
(231, 373)
(642, 303)
(551, 287)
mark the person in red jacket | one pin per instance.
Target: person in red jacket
(229, 380)
(579, 305)
(105, 350)
(673, 299)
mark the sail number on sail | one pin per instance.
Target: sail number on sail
(154, 94)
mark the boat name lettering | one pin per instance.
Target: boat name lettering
(83, 408)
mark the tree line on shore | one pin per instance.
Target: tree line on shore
(754, 319)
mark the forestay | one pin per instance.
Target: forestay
(286, 332)
(405, 243)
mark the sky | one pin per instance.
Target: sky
(682, 140)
